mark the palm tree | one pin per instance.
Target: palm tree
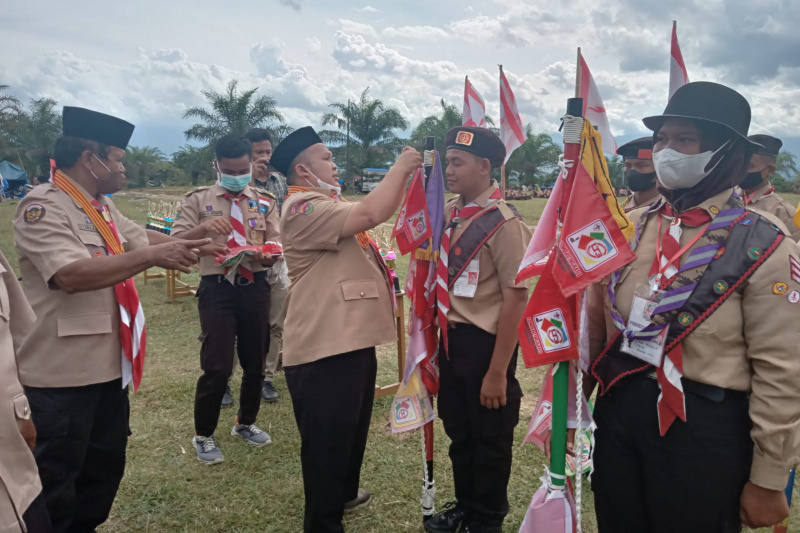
(9, 102)
(536, 160)
(141, 163)
(11, 119)
(42, 126)
(438, 125)
(194, 161)
(364, 135)
(616, 171)
(786, 164)
(233, 111)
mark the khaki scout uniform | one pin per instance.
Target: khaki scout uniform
(774, 204)
(19, 477)
(230, 313)
(70, 361)
(748, 344)
(339, 308)
(481, 438)
(630, 204)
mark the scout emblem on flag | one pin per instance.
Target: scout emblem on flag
(550, 332)
(411, 231)
(592, 246)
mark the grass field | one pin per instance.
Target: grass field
(166, 490)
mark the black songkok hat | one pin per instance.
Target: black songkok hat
(708, 102)
(772, 145)
(479, 141)
(291, 147)
(98, 127)
(638, 149)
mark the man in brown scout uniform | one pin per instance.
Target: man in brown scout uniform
(757, 190)
(20, 509)
(233, 307)
(339, 308)
(694, 344)
(479, 395)
(640, 174)
(78, 255)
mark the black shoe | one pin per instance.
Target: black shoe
(446, 521)
(268, 392)
(228, 398)
(480, 527)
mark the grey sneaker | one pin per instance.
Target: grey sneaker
(361, 501)
(268, 392)
(207, 450)
(228, 398)
(252, 435)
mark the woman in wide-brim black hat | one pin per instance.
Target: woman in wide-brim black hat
(694, 343)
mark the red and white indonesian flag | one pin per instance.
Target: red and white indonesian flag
(594, 110)
(474, 108)
(511, 131)
(678, 77)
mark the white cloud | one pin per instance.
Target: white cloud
(351, 26)
(415, 32)
(366, 9)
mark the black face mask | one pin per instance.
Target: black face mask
(753, 179)
(638, 182)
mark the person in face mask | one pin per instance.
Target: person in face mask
(756, 189)
(640, 175)
(694, 344)
(234, 311)
(339, 309)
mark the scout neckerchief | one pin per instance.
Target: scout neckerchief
(132, 331)
(755, 196)
(364, 241)
(442, 271)
(671, 402)
(237, 236)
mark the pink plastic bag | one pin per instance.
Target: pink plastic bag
(550, 512)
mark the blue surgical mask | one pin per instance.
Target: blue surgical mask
(234, 183)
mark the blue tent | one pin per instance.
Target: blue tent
(13, 177)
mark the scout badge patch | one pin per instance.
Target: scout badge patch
(34, 213)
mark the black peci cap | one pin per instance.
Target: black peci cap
(479, 141)
(98, 127)
(638, 149)
(708, 102)
(291, 147)
(772, 145)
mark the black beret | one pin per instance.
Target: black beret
(291, 146)
(98, 127)
(479, 141)
(638, 149)
(772, 145)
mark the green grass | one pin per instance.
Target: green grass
(166, 490)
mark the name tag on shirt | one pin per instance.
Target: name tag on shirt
(649, 350)
(467, 282)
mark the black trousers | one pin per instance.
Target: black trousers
(332, 400)
(36, 517)
(688, 480)
(481, 438)
(82, 433)
(230, 315)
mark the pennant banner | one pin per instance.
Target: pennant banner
(413, 227)
(678, 77)
(511, 131)
(593, 108)
(474, 108)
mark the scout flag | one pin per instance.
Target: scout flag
(544, 236)
(678, 77)
(594, 237)
(511, 131)
(474, 108)
(593, 108)
(413, 223)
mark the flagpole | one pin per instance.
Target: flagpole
(503, 166)
(428, 484)
(578, 76)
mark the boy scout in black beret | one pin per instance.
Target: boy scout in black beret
(640, 174)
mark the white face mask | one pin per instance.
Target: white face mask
(675, 170)
(323, 185)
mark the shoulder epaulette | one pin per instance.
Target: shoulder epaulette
(197, 189)
(264, 192)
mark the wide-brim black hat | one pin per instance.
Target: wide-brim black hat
(633, 149)
(708, 102)
(479, 141)
(98, 127)
(291, 146)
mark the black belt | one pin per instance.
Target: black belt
(238, 280)
(704, 390)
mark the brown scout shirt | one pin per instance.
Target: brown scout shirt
(19, 478)
(205, 203)
(749, 343)
(498, 262)
(75, 340)
(630, 203)
(339, 299)
(774, 204)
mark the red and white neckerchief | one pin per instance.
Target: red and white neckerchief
(752, 198)
(442, 270)
(133, 336)
(238, 235)
(671, 401)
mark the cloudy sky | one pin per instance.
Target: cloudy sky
(148, 60)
